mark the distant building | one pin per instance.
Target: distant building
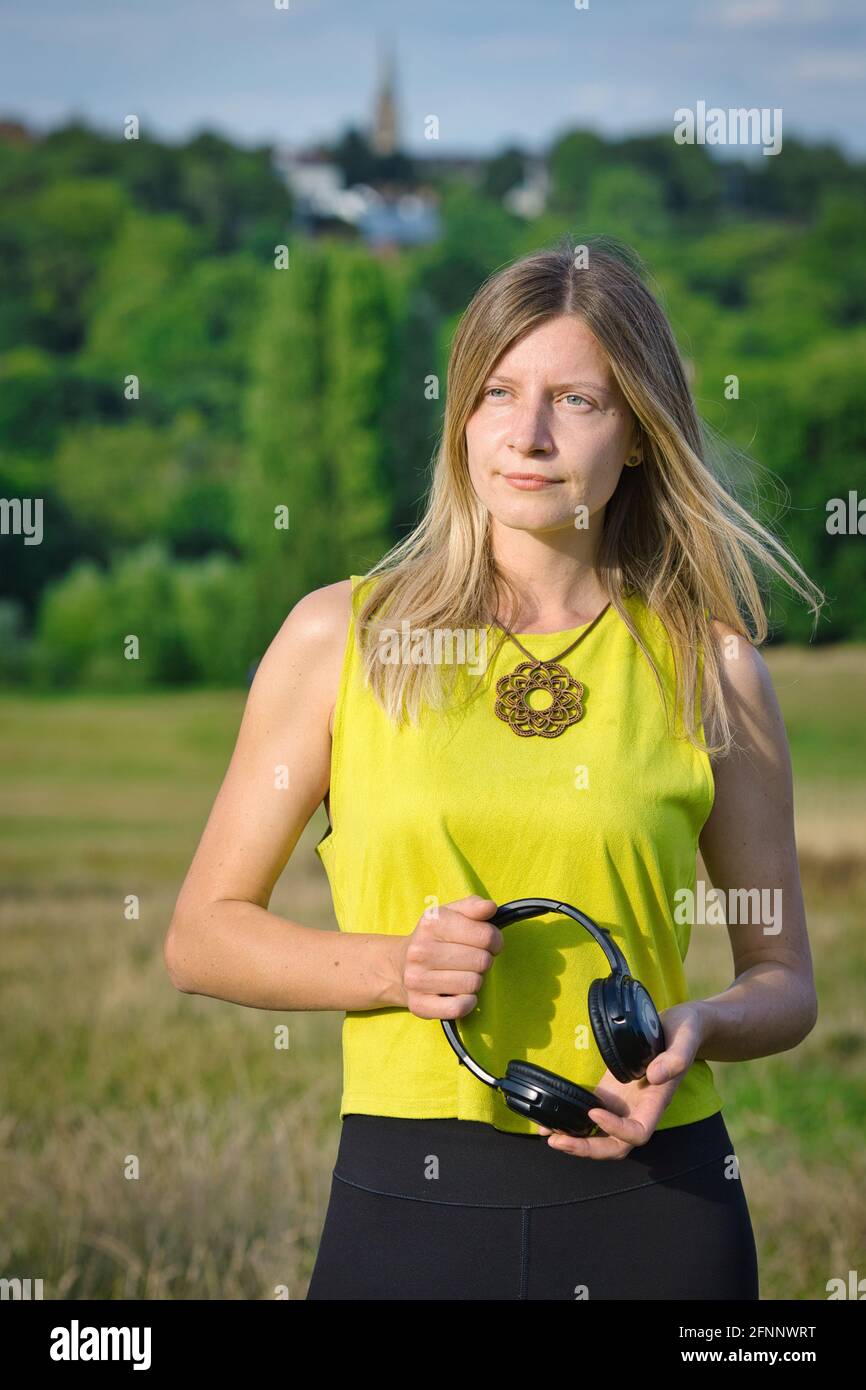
(385, 216)
(316, 183)
(384, 132)
(529, 198)
(411, 219)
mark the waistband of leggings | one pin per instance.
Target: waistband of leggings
(472, 1163)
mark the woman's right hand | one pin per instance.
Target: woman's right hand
(443, 961)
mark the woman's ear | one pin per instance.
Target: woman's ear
(635, 453)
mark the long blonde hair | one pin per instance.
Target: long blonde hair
(672, 532)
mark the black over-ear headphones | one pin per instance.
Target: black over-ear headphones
(624, 1021)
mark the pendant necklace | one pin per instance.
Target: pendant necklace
(561, 693)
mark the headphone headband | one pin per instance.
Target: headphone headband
(519, 910)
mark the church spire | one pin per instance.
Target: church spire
(384, 136)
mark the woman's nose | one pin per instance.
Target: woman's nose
(530, 431)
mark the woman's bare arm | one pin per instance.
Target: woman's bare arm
(748, 843)
(223, 941)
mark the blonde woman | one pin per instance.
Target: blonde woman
(604, 712)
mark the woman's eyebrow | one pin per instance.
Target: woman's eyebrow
(560, 386)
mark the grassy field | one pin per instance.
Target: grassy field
(158, 1145)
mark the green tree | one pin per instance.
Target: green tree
(87, 618)
(478, 236)
(628, 203)
(414, 415)
(53, 240)
(812, 434)
(503, 172)
(573, 162)
(150, 259)
(74, 617)
(214, 604)
(359, 345)
(288, 471)
(692, 180)
(234, 197)
(136, 481)
(181, 322)
(793, 183)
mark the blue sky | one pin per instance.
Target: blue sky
(492, 71)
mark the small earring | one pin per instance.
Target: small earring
(633, 461)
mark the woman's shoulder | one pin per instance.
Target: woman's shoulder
(305, 658)
(741, 661)
(319, 621)
(742, 666)
(321, 616)
(745, 681)
(745, 676)
(746, 684)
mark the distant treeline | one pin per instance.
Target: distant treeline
(169, 393)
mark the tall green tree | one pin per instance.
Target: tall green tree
(359, 345)
(288, 471)
(417, 403)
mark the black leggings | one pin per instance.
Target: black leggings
(456, 1209)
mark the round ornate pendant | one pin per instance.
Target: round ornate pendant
(560, 699)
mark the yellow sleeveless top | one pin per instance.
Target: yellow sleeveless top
(605, 816)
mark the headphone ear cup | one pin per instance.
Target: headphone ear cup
(602, 1030)
(563, 1104)
(569, 1090)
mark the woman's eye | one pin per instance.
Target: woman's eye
(571, 396)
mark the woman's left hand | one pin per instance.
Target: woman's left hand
(632, 1109)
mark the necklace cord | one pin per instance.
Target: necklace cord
(539, 661)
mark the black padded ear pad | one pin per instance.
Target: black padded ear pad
(569, 1090)
(601, 1028)
(558, 1104)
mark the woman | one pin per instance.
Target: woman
(572, 520)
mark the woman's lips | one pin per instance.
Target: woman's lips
(529, 482)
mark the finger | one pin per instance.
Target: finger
(666, 1067)
(453, 925)
(426, 956)
(610, 1099)
(445, 982)
(441, 1005)
(590, 1147)
(474, 903)
(420, 980)
(624, 1128)
(457, 955)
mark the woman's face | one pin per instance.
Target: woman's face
(551, 409)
